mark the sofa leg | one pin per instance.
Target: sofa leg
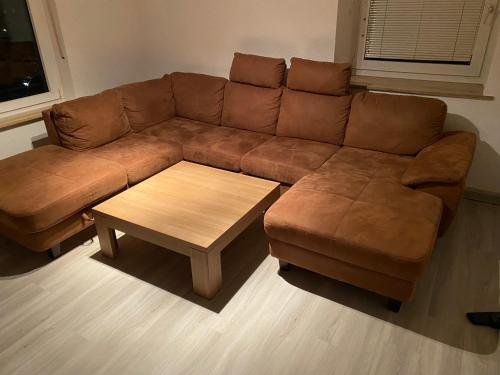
(394, 305)
(284, 266)
(55, 251)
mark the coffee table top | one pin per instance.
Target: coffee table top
(200, 206)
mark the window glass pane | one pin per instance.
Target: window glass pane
(21, 70)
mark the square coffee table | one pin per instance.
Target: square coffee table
(188, 208)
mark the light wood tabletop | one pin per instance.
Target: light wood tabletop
(189, 208)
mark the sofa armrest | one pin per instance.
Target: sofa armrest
(446, 161)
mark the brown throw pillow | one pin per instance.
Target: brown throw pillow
(91, 121)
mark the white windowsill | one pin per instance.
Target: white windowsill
(24, 116)
(421, 87)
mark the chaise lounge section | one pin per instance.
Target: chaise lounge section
(373, 179)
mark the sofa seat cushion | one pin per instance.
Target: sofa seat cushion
(148, 103)
(141, 155)
(285, 159)
(376, 224)
(42, 187)
(354, 209)
(178, 129)
(90, 121)
(368, 163)
(222, 147)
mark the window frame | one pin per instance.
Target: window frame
(44, 37)
(472, 70)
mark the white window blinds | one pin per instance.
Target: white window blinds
(432, 31)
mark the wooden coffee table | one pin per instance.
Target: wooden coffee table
(188, 208)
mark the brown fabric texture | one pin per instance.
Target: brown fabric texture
(355, 210)
(90, 121)
(42, 187)
(148, 103)
(286, 160)
(178, 129)
(222, 147)
(44, 240)
(315, 117)
(373, 164)
(446, 161)
(257, 70)
(51, 127)
(251, 108)
(386, 285)
(319, 77)
(450, 195)
(142, 156)
(397, 124)
(198, 96)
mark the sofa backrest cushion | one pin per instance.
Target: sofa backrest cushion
(251, 108)
(315, 117)
(257, 70)
(319, 77)
(198, 96)
(396, 124)
(90, 121)
(148, 103)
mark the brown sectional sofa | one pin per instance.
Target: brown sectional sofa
(373, 177)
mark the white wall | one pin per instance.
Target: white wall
(102, 41)
(116, 41)
(202, 36)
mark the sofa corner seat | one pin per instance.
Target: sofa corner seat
(45, 192)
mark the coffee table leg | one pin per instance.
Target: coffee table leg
(107, 238)
(206, 273)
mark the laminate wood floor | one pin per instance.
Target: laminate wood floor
(85, 314)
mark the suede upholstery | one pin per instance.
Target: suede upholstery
(50, 126)
(366, 213)
(381, 283)
(142, 156)
(359, 215)
(319, 77)
(450, 195)
(81, 129)
(251, 108)
(257, 70)
(42, 187)
(286, 160)
(47, 238)
(178, 129)
(198, 96)
(368, 163)
(396, 124)
(148, 103)
(222, 147)
(314, 117)
(446, 161)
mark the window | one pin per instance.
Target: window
(28, 65)
(446, 37)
